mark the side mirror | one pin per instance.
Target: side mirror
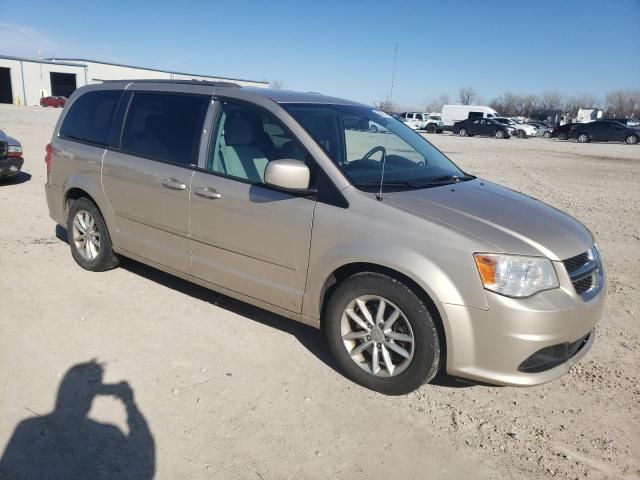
(287, 174)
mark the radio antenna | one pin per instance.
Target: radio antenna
(390, 105)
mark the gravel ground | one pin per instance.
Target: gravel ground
(230, 391)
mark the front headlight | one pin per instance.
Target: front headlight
(515, 275)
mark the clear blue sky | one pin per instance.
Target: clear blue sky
(345, 48)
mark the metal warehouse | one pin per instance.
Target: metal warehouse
(24, 81)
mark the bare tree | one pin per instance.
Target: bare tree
(276, 84)
(623, 103)
(551, 100)
(506, 104)
(386, 105)
(435, 104)
(575, 103)
(467, 95)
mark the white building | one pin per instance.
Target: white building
(24, 81)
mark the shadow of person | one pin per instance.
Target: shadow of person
(65, 444)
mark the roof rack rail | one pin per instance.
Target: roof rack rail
(192, 81)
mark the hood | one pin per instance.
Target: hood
(7, 139)
(512, 222)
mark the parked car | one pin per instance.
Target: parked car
(628, 122)
(376, 127)
(528, 130)
(407, 263)
(11, 160)
(53, 101)
(543, 129)
(605, 131)
(483, 126)
(423, 121)
(455, 113)
(562, 132)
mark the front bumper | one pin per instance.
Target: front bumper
(493, 345)
(10, 166)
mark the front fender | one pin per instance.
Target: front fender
(436, 257)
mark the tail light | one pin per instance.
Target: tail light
(14, 151)
(47, 157)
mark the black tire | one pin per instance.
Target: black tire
(431, 128)
(463, 132)
(563, 136)
(373, 129)
(583, 138)
(426, 356)
(632, 139)
(546, 134)
(500, 134)
(105, 258)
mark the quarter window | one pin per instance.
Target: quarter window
(165, 126)
(90, 116)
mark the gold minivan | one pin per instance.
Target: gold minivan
(293, 202)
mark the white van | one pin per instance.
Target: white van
(454, 113)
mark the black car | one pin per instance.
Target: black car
(628, 122)
(10, 156)
(482, 126)
(562, 132)
(605, 131)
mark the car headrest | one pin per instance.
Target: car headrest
(238, 131)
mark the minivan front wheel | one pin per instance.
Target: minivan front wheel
(88, 237)
(382, 334)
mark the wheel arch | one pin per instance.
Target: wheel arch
(78, 188)
(346, 271)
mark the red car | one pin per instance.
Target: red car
(53, 102)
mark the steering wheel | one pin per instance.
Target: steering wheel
(379, 148)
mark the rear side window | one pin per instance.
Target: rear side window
(165, 126)
(89, 118)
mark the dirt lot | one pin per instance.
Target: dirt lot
(229, 391)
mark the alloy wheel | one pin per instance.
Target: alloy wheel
(632, 139)
(463, 132)
(86, 236)
(377, 336)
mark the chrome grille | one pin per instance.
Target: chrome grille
(576, 262)
(583, 284)
(585, 271)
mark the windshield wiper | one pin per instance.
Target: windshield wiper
(447, 179)
(393, 183)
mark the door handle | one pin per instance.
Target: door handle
(174, 184)
(208, 193)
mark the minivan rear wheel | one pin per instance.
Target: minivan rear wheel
(88, 237)
(382, 334)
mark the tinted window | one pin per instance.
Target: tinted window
(89, 118)
(165, 126)
(247, 138)
(475, 114)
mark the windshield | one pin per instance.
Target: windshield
(358, 139)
